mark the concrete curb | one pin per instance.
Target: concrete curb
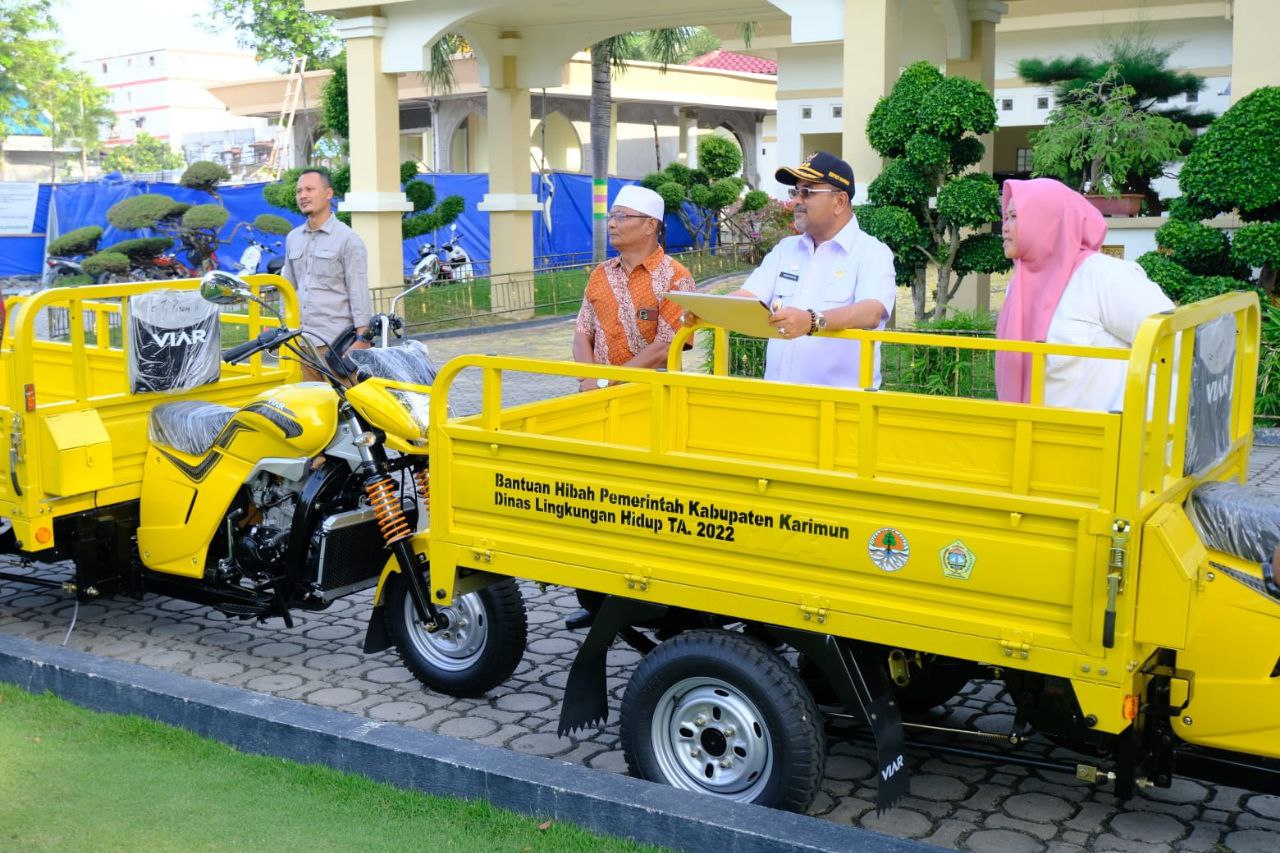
(435, 764)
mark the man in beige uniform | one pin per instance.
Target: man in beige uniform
(327, 263)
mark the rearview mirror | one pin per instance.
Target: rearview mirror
(223, 288)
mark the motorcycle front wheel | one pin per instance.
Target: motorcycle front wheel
(478, 647)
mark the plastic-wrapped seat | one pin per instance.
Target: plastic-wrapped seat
(1237, 519)
(189, 425)
(407, 363)
(173, 341)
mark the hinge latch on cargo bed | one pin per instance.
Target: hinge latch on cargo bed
(639, 583)
(814, 612)
(1017, 645)
(1116, 564)
(17, 451)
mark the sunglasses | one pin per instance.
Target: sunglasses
(805, 192)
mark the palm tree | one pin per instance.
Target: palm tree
(609, 57)
(439, 80)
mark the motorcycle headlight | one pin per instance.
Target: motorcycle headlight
(417, 405)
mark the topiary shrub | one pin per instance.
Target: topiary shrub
(710, 196)
(141, 211)
(269, 223)
(106, 262)
(205, 217)
(204, 175)
(82, 241)
(928, 127)
(1173, 278)
(142, 247)
(1198, 248)
(1235, 165)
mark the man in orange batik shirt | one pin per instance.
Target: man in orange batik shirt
(624, 318)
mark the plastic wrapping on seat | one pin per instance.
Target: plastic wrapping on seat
(1212, 392)
(1237, 519)
(174, 341)
(190, 425)
(407, 363)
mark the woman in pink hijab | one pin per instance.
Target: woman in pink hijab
(1065, 291)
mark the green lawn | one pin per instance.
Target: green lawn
(74, 779)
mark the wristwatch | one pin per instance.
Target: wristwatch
(602, 383)
(821, 321)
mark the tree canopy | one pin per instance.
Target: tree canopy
(1234, 166)
(928, 128)
(277, 30)
(145, 154)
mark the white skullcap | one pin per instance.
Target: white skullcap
(641, 200)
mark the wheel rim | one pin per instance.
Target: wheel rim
(457, 646)
(709, 737)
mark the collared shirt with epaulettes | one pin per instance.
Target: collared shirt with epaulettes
(850, 267)
(329, 267)
(624, 313)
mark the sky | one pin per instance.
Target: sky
(93, 28)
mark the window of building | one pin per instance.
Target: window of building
(806, 112)
(1162, 100)
(1024, 159)
(1006, 104)
(151, 60)
(1042, 102)
(129, 62)
(104, 68)
(1193, 97)
(837, 111)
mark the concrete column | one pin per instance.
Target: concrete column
(613, 138)
(689, 138)
(975, 293)
(682, 144)
(375, 201)
(1254, 26)
(509, 202)
(872, 57)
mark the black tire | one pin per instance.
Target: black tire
(480, 647)
(744, 704)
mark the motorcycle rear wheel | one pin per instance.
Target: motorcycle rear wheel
(479, 648)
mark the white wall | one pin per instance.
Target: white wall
(167, 90)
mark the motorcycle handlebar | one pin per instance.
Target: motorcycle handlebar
(266, 340)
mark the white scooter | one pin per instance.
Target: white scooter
(251, 257)
(460, 265)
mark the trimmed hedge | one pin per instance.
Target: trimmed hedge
(81, 241)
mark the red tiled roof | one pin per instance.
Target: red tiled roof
(726, 61)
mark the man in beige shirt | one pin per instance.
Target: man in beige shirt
(327, 263)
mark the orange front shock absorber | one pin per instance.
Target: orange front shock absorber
(386, 505)
(423, 480)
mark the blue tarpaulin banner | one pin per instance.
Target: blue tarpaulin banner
(23, 254)
(561, 232)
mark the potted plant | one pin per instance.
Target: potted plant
(1096, 139)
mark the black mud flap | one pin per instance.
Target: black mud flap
(865, 691)
(377, 637)
(586, 701)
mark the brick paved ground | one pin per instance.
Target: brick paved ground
(954, 803)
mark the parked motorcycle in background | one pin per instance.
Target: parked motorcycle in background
(460, 266)
(450, 262)
(56, 269)
(426, 271)
(162, 266)
(251, 258)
